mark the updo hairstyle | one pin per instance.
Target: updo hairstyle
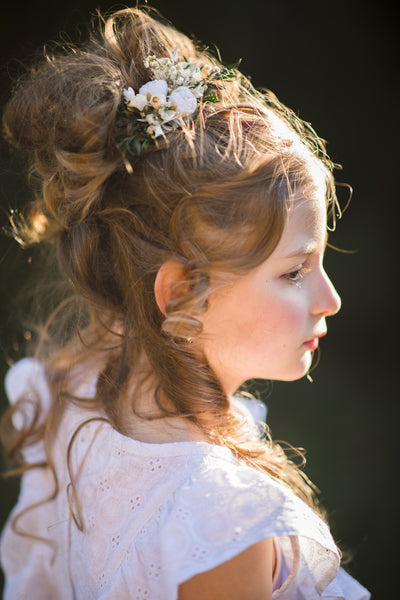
(213, 196)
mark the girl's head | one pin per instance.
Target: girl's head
(173, 250)
(267, 323)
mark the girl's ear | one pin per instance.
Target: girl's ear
(169, 275)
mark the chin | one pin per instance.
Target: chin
(298, 371)
(286, 372)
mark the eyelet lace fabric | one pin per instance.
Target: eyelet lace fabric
(153, 516)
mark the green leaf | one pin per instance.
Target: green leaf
(211, 98)
(129, 149)
(138, 146)
(235, 65)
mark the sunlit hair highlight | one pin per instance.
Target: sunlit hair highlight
(213, 197)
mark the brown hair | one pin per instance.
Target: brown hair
(213, 196)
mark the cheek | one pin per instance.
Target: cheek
(256, 334)
(258, 322)
(279, 319)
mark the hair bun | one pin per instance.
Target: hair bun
(63, 113)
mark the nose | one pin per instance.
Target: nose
(327, 301)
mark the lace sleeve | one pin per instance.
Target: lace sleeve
(224, 509)
(26, 386)
(26, 380)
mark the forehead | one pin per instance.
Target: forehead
(305, 226)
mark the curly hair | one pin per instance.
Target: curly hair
(213, 196)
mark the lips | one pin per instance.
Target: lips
(313, 343)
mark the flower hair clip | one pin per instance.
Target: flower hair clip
(164, 103)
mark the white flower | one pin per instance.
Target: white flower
(129, 95)
(198, 91)
(157, 88)
(195, 74)
(134, 100)
(166, 99)
(155, 130)
(158, 102)
(138, 102)
(183, 101)
(167, 115)
(174, 54)
(151, 118)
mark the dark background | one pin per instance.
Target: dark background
(334, 64)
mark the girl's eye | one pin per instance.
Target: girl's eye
(296, 275)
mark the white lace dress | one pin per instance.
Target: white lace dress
(154, 515)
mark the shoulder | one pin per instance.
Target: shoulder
(246, 576)
(223, 508)
(28, 379)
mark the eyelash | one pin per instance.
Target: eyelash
(296, 275)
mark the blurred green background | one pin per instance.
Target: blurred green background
(335, 63)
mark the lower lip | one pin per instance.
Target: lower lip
(311, 344)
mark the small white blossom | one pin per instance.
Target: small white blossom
(151, 119)
(192, 72)
(167, 115)
(174, 54)
(129, 95)
(139, 102)
(184, 101)
(155, 130)
(198, 91)
(207, 69)
(158, 88)
(196, 76)
(158, 102)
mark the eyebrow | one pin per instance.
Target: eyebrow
(303, 251)
(307, 249)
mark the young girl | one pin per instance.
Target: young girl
(188, 211)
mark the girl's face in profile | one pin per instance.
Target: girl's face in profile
(267, 323)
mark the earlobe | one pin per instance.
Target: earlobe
(169, 275)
